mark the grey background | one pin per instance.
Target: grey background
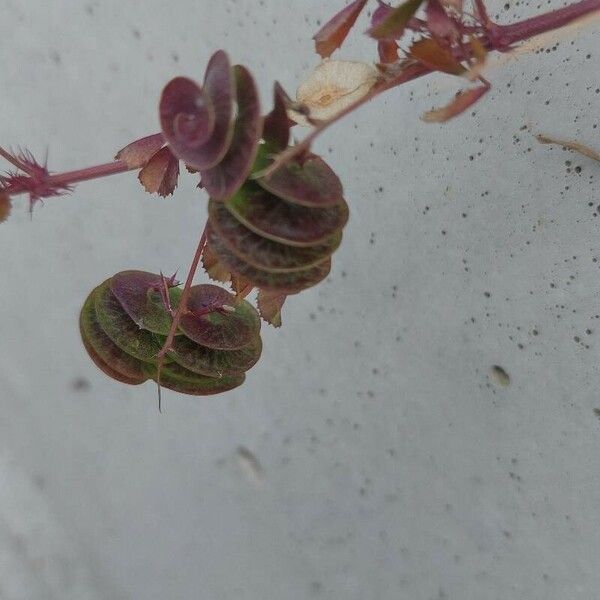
(393, 465)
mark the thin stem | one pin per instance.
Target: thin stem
(496, 38)
(503, 36)
(112, 168)
(14, 161)
(411, 72)
(182, 308)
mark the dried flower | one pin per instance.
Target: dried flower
(332, 86)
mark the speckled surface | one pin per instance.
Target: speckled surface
(372, 453)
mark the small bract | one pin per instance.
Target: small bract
(332, 86)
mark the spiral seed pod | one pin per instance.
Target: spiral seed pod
(275, 233)
(124, 323)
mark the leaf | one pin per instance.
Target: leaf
(290, 282)
(161, 173)
(140, 296)
(283, 222)
(436, 57)
(263, 253)
(208, 324)
(388, 51)
(214, 268)
(269, 306)
(121, 329)
(197, 122)
(576, 146)
(104, 353)
(215, 363)
(5, 206)
(176, 378)
(392, 26)
(276, 128)
(225, 178)
(242, 286)
(332, 35)
(460, 103)
(138, 153)
(439, 23)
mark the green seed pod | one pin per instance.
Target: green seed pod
(125, 320)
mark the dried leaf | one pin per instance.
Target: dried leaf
(392, 26)
(138, 153)
(5, 206)
(161, 173)
(332, 86)
(436, 57)
(576, 146)
(269, 306)
(460, 103)
(214, 268)
(332, 35)
(242, 286)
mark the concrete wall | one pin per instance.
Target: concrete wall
(394, 465)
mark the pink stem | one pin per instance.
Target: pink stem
(14, 161)
(182, 308)
(503, 36)
(497, 37)
(70, 177)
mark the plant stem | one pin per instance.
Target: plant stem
(503, 36)
(182, 308)
(70, 177)
(14, 161)
(495, 38)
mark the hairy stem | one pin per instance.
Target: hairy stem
(14, 161)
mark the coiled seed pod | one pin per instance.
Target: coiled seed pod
(125, 320)
(276, 233)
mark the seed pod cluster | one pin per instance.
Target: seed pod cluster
(125, 320)
(279, 233)
(275, 233)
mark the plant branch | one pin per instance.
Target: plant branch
(494, 38)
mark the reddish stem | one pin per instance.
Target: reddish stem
(182, 308)
(15, 161)
(496, 37)
(112, 168)
(503, 36)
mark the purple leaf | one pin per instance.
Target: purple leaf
(207, 323)
(439, 23)
(332, 35)
(161, 173)
(309, 182)
(226, 177)
(276, 129)
(197, 122)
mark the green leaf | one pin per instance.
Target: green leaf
(393, 26)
